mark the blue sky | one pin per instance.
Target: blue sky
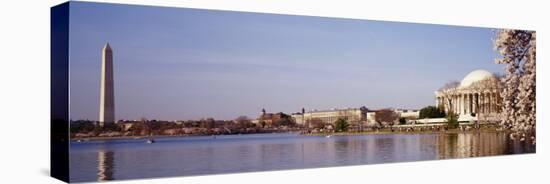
(177, 63)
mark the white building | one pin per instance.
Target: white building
(408, 113)
(371, 118)
(476, 97)
(352, 115)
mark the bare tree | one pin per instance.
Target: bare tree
(208, 123)
(316, 123)
(449, 91)
(450, 85)
(243, 122)
(386, 116)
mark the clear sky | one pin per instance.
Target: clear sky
(176, 63)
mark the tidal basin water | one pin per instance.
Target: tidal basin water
(186, 156)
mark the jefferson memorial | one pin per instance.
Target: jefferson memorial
(476, 97)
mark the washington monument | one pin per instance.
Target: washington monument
(107, 93)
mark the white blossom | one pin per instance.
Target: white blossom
(518, 52)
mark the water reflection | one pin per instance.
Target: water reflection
(202, 155)
(106, 163)
(463, 145)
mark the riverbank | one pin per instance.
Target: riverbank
(388, 131)
(165, 136)
(370, 132)
(124, 137)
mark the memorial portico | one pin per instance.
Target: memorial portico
(476, 94)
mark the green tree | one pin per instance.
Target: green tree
(431, 112)
(452, 120)
(82, 126)
(341, 125)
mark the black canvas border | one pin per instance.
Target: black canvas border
(59, 88)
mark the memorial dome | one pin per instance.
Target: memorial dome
(475, 76)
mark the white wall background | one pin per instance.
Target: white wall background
(24, 91)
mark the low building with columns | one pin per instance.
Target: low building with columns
(476, 97)
(352, 115)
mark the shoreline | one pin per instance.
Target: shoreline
(388, 132)
(166, 136)
(380, 132)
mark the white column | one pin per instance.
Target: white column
(459, 100)
(489, 110)
(474, 103)
(468, 104)
(449, 102)
(480, 102)
(490, 102)
(496, 107)
(456, 104)
(483, 103)
(459, 104)
(489, 95)
(452, 104)
(499, 102)
(462, 101)
(481, 109)
(444, 100)
(485, 109)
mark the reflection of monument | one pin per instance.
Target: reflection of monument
(463, 145)
(105, 165)
(107, 96)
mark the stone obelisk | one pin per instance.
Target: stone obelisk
(107, 93)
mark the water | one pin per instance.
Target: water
(185, 156)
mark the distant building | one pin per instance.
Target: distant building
(371, 121)
(268, 119)
(352, 115)
(408, 113)
(402, 113)
(298, 118)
